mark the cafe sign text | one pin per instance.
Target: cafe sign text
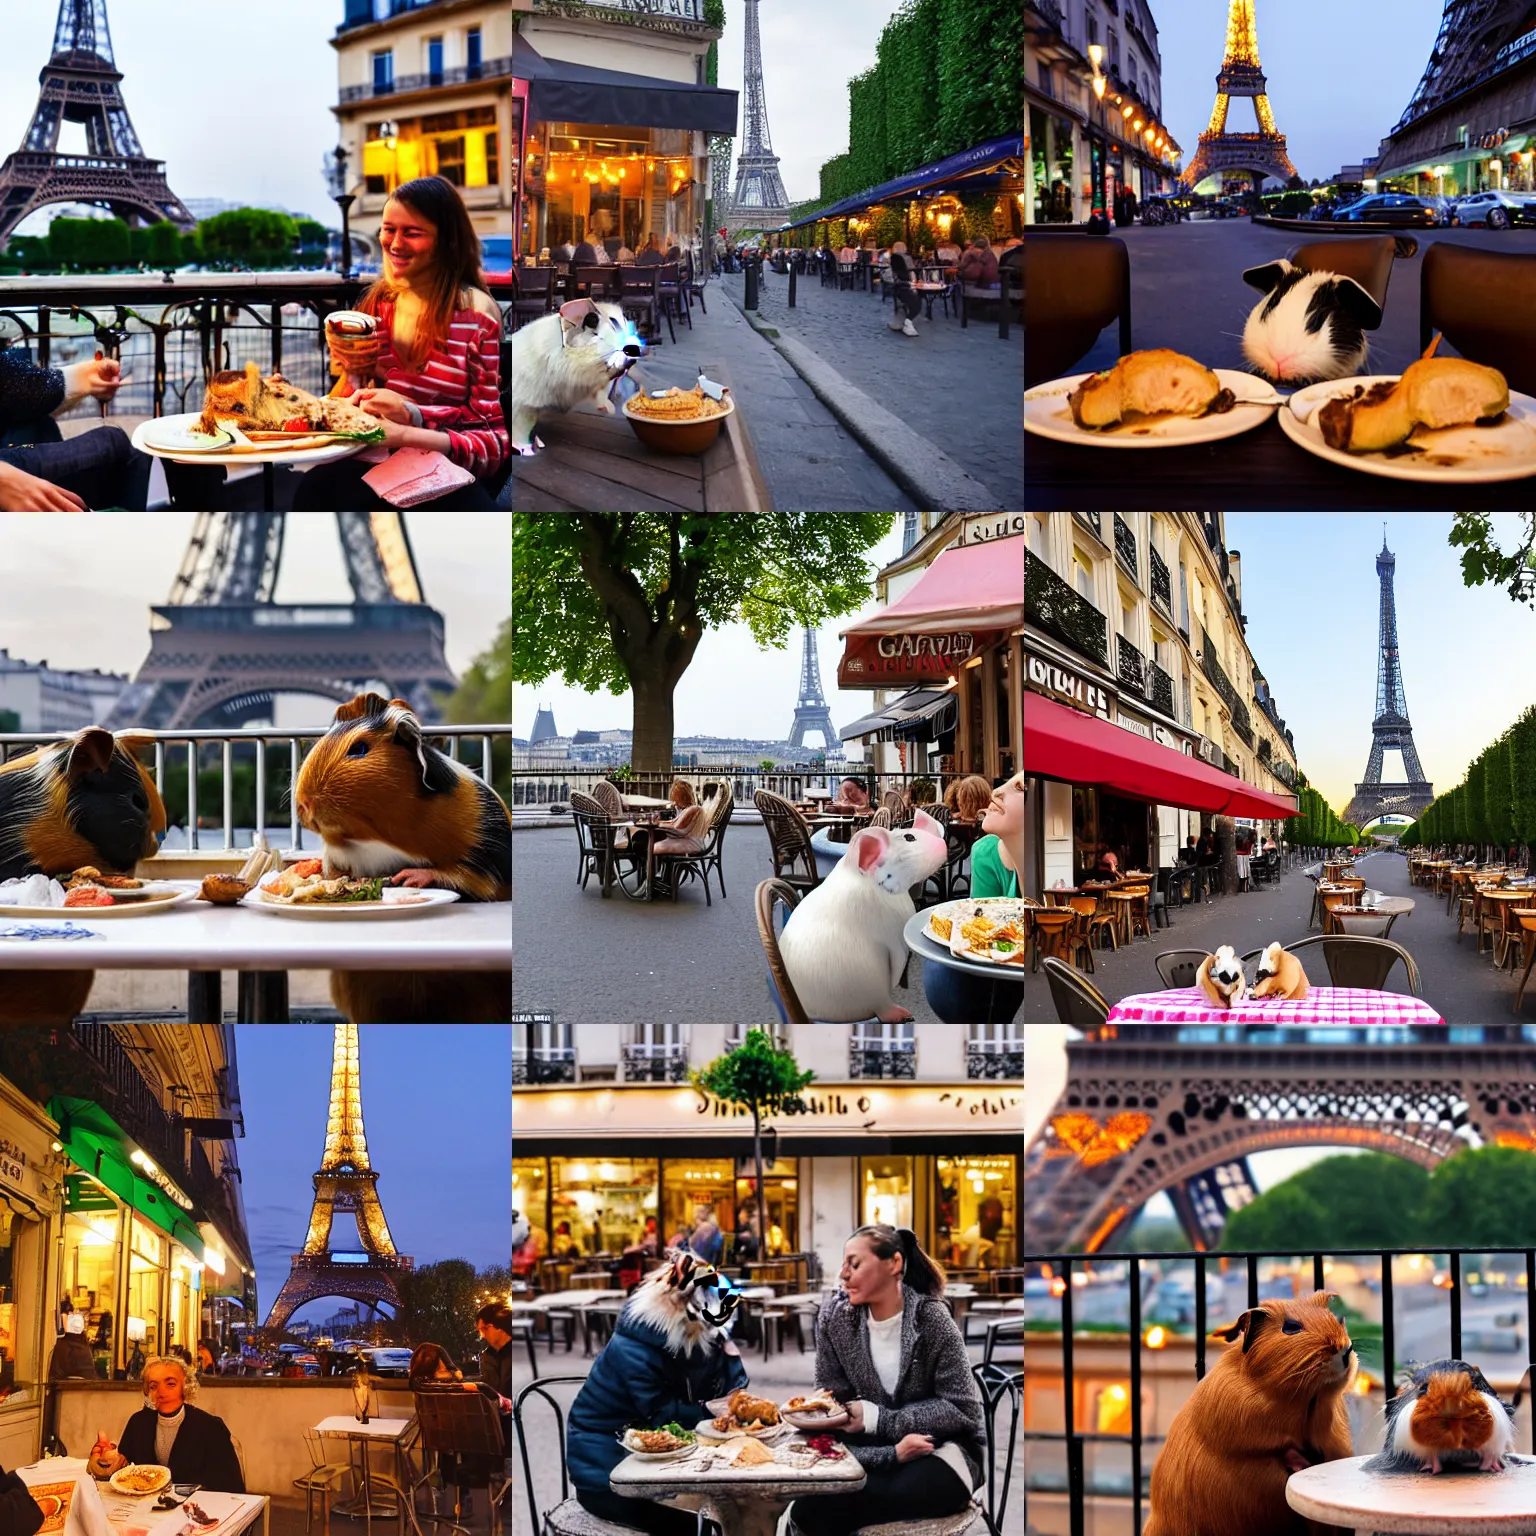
(1050, 678)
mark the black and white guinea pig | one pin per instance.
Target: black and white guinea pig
(1309, 326)
(1445, 1416)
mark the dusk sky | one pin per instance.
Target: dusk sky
(437, 1111)
(1339, 72)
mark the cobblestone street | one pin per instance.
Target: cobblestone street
(1462, 986)
(961, 389)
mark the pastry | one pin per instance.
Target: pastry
(1433, 392)
(1160, 382)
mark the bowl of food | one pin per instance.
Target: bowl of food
(663, 1444)
(818, 1411)
(138, 1480)
(677, 420)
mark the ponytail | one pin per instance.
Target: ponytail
(919, 1271)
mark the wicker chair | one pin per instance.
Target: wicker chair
(895, 802)
(1356, 961)
(789, 841)
(1177, 967)
(1077, 1000)
(674, 868)
(606, 793)
(770, 892)
(601, 846)
(884, 817)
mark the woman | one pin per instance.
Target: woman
(432, 1368)
(441, 361)
(887, 1348)
(851, 796)
(169, 1432)
(649, 254)
(979, 266)
(1108, 865)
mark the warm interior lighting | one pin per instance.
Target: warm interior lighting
(1058, 1287)
(1095, 53)
(1155, 1337)
(1098, 86)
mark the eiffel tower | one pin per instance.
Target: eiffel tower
(811, 711)
(345, 1185)
(222, 647)
(1391, 727)
(1145, 1113)
(1261, 154)
(1472, 33)
(759, 201)
(79, 84)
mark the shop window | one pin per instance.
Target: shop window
(90, 1266)
(976, 1221)
(10, 1231)
(530, 1198)
(1112, 1409)
(781, 1189)
(886, 1185)
(147, 1264)
(695, 1190)
(449, 156)
(600, 1206)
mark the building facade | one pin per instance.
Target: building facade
(119, 1199)
(426, 90)
(1136, 619)
(912, 1125)
(1093, 103)
(47, 699)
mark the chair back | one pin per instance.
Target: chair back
(894, 801)
(639, 281)
(996, 1383)
(1177, 967)
(882, 818)
(1366, 258)
(1484, 303)
(541, 1387)
(1370, 925)
(608, 797)
(533, 282)
(1072, 290)
(788, 836)
(459, 1423)
(1357, 961)
(769, 894)
(1077, 1000)
(601, 283)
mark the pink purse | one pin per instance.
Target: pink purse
(411, 476)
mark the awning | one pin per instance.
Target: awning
(959, 608)
(580, 93)
(978, 160)
(923, 713)
(97, 1144)
(1062, 743)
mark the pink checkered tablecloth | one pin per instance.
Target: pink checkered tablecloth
(1351, 1006)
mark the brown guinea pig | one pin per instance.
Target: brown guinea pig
(386, 802)
(86, 800)
(1263, 1411)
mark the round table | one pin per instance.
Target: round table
(1342, 1493)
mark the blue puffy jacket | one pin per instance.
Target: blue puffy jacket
(637, 1380)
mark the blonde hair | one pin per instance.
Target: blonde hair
(188, 1375)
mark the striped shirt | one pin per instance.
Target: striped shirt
(457, 389)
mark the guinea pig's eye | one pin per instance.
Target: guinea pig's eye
(910, 838)
(358, 749)
(1423, 1389)
(1290, 1325)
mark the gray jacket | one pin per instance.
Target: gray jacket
(935, 1394)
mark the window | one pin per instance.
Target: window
(530, 1198)
(472, 56)
(976, 1226)
(1082, 575)
(601, 1206)
(1114, 50)
(1093, 30)
(90, 1258)
(434, 61)
(781, 1182)
(450, 159)
(886, 1191)
(690, 1185)
(1034, 534)
(383, 72)
(492, 161)
(10, 1231)
(1162, 650)
(1183, 598)
(147, 1263)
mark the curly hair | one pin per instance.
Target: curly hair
(188, 1374)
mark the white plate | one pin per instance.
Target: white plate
(1453, 455)
(814, 1425)
(1047, 414)
(343, 909)
(174, 896)
(949, 909)
(673, 1455)
(705, 1430)
(173, 434)
(147, 435)
(141, 1493)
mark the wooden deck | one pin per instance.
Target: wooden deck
(595, 463)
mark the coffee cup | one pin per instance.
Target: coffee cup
(353, 336)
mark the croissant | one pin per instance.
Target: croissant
(1157, 382)
(1433, 392)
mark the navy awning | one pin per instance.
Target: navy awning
(967, 162)
(578, 93)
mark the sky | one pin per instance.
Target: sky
(52, 571)
(437, 1111)
(733, 688)
(1340, 72)
(192, 83)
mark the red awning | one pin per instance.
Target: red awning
(1062, 743)
(959, 608)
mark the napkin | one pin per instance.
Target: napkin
(414, 475)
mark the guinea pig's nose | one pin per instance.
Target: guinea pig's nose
(632, 349)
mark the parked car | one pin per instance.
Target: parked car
(1392, 208)
(388, 1361)
(1493, 210)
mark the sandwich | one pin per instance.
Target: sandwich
(1433, 392)
(271, 410)
(1160, 382)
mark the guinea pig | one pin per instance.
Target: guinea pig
(387, 803)
(1310, 326)
(1445, 1415)
(842, 945)
(564, 359)
(1263, 1411)
(1221, 977)
(86, 800)
(1280, 975)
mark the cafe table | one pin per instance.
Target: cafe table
(747, 1501)
(361, 1438)
(98, 1509)
(1322, 1007)
(1343, 1494)
(202, 940)
(644, 802)
(1258, 471)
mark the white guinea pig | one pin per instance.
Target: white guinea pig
(842, 945)
(563, 359)
(1310, 326)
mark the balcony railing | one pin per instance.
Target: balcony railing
(552, 784)
(442, 79)
(1041, 1478)
(655, 1063)
(1130, 666)
(983, 1059)
(1094, 521)
(1159, 689)
(1162, 582)
(1125, 547)
(882, 1060)
(1242, 722)
(1059, 611)
(547, 1064)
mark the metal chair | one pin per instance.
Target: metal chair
(522, 1328)
(319, 1482)
(533, 292)
(769, 894)
(1077, 1000)
(1177, 967)
(466, 1427)
(1356, 961)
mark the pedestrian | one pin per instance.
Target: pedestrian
(745, 1249)
(1130, 205)
(708, 1241)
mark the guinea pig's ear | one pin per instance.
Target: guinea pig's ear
(1249, 1326)
(1357, 303)
(90, 753)
(361, 707)
(868, 848)
(1266, 277)
(1322, 1298)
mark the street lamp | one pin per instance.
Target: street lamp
(344, 201)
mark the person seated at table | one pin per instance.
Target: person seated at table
(566, 1246)
(20, 1513)
(1107, 866)
(170, 1432)
(670, 1354)
(968, 797)
(979, 266)
(851, 796)
(585, 255)
(948, 252)
(649, 254)
(916, 1425)
(623, 256)
(563, 254)
(41, 471)
(680, 793)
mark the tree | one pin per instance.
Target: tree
(249, 237)
(762, 1078)
(614, 600)
(1498, 793)
(767, 765)
(1484, 561)
(1478, 1196)
(1338, 1202)
(10, 721)
(484, 695)
(438, 1303)
(1522, 761)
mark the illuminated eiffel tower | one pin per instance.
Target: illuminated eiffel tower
(1262, 153)
(345, 1185)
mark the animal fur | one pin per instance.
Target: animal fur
(1445, 1416)
(1221, 977)
(1265, 1409)
(1280, 975)
(559, 363)
(666, 1300)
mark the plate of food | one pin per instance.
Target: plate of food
(986, 928)
(820, 1410)
(741, 1414)
(1155, 399)
(139, 1479)
(665, 1444)
(304, 890)
(1442, 419)
(89, 892)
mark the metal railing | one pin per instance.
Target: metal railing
(1159, 689)
(1162, 582)
(1125, 547)
(540, 788)
(1130, 666)
(544, 1064)
(14, 744)
(1050, 602)
(398, 85)
(988, 1059)
(882, 1061)
(1063, 1264)
(1210, 662)
(655, 1063)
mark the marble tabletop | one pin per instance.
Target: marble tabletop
(1418, 1503)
